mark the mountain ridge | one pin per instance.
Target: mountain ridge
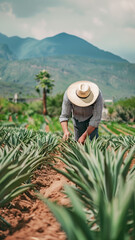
(60, 44)
(68, 59)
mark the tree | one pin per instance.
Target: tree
(110, 111)
(44, 82)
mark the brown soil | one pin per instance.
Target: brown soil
(47, 128)
(132, 163)
(29, 217)
(125, 133)
(108, 129)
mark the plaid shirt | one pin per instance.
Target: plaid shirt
(94, 111)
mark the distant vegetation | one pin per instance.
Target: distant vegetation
(31, 115)
(123, 110)
(114, 79)
(45, 82)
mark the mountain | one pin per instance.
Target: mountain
(59, 45)
(6, 53)
(68, 59)
(19, 46)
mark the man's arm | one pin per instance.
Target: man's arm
(89, 130)
(65, 130)
(65, 115)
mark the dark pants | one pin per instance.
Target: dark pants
(80, 128)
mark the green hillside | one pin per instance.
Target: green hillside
(6, 53)
(115, 79)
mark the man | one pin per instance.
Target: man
(84, 101)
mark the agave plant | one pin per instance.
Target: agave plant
(116, 142)
(73, 220)
(11, 181)
(17, 165)
(125, 141)
(48, 139)
(93, 171)
(21, 152)
(14, 136)
(112, 218)
(92, 167)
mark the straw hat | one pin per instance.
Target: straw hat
(83, 93)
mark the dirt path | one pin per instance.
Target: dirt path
(125, 133)
(47, 128)
(29, 217)
(108, 129)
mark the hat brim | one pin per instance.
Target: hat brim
(82, 102)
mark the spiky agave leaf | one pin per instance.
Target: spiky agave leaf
(72, 220)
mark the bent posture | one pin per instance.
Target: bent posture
(83, 100)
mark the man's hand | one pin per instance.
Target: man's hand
(64, 125)
(82, 138)
(66, 135)
(89, 130)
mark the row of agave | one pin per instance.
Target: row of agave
(21, 152)
(96, 172)
(103, 195)
(116, 142)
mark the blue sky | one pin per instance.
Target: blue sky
(107, 24)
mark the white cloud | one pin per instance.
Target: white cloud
(6, 9)
(38, 30)
(128, 5)
(87, 35)
(107, 24)
(97, 22)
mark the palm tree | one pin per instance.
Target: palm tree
(44, 81)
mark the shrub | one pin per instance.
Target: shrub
(54, 105)
(35, 107)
